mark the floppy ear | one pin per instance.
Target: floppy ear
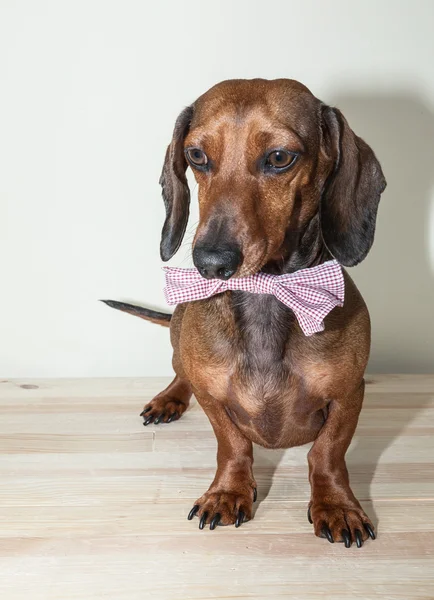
(352, 192)
(176, 193)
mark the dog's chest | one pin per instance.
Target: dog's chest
(258, 387)
(266, 396)
(264, 326)
(250, 365)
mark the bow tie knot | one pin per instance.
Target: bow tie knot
(310, 293)
(260, 283)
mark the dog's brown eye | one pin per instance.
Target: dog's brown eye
(280, 159)
(197, 157)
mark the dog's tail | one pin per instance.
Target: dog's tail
(144, 313)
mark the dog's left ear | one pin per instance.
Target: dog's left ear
(176, 193)
(352, 192)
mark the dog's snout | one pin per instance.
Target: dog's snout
(216, 263)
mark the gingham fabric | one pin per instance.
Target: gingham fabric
(310, 293)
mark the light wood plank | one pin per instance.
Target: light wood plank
(93, 505)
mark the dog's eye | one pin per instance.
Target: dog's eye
(197, 157)
(280, 159)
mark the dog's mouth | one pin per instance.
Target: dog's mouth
(258, 258)
(252, 268)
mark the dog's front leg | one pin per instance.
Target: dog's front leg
(230, 496)
(334, 510)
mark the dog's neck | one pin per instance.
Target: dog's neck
(300, 250)
(264, 322)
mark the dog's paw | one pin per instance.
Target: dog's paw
(224, 508)
(162, 409)
(341, 523)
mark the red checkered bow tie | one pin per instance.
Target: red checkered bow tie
(310, 293)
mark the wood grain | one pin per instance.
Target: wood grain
(93, 505)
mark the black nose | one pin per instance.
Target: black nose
(216, 263)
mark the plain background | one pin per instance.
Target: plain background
(89, 94)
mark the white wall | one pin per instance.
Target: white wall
(89, 93)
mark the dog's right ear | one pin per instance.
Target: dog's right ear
(176, 193)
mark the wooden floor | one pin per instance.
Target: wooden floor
(94, 505)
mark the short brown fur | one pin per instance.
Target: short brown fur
(257, 377)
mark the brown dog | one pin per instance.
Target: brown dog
(284, 184)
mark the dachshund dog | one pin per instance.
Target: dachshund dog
(284, 184)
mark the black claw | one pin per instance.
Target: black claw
(309, 518)
(255, 494)
(328, 534)
(359, 538)
(145, 410)
(203, 520)
(215, 521)
(370, 531)
(346, 537)
(240, 518)
(158, 419)
(193, 512)
(170, 419)
(148, 420)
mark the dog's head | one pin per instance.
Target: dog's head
(276, 169)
